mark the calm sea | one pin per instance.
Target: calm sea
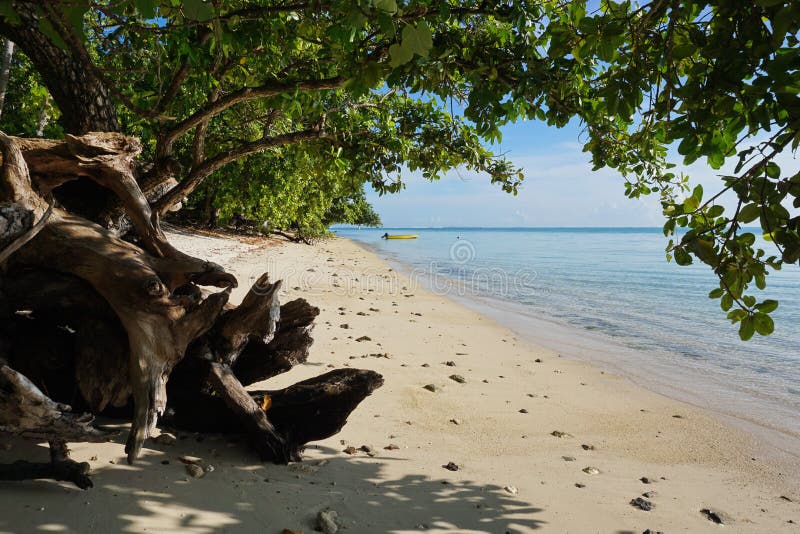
(608, 295)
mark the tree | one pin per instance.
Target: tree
(321, 98)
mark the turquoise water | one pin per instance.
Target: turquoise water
(612, 288)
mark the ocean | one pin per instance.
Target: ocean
(608, 295)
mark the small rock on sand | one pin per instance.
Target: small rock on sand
(350, 450)
(560, 434)
(650, 531)
(646, 480)
(587, 447)
(194, 471)
(430, 387)
(391, 447)
(369, 449)
(642, 504)
(591, 470)
(511, 489)
(451, 466)
(455, 421)
(344, 325)
(450, 363)
(568, 458)
(326, 521)
(579, 485)
(523, 410)
(363, 338)
(715, 516)
(458, 378)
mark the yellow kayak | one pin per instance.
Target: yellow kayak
(409, 236)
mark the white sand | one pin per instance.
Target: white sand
(704, 462)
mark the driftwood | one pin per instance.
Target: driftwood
(134, 317)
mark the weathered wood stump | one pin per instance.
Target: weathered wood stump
(100, 321)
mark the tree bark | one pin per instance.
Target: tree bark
(82, 97)
(5, 70)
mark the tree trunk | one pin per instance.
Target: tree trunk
(133, 312)
(82, 97)
(5, 70)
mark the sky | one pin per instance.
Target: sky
(560, 189)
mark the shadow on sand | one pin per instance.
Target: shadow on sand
(243, 495)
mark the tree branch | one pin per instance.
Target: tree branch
(213, 108)
(199, 173)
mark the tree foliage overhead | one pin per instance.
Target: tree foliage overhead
(275, 99)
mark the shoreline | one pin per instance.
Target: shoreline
(554, 445)
(598, 349)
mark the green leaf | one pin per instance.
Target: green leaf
(773, 171)
(200, 10)
(749, 213)
(747, 328)
(399, 55)
(763, 324)
(7, 12)
(716, 293)
(146, 8)
(389, 6)
(47, 29)
(768, 306)
(418, 39)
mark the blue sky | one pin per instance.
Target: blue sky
(560, 189)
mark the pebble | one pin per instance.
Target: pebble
(455, 421)
(451, 466)
(650, 531)
(713, 516)
(369, 449)
(450, 363)
(587, 447)
(511, 489)
(165, 438)
(523, 410)
(538, 360)
(391, 447)
(579, 485)
(649, 494)
(363, 338)
(350, 450)
(642, 504)
(646, 480)
(430, 387)
(591, 470)
(194, 471)
(344, 325)
(458, 378)
(568, 458)
(560, 434)
(326, 521)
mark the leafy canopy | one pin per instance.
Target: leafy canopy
(324, 97)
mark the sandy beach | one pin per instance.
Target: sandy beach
(540, 441)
